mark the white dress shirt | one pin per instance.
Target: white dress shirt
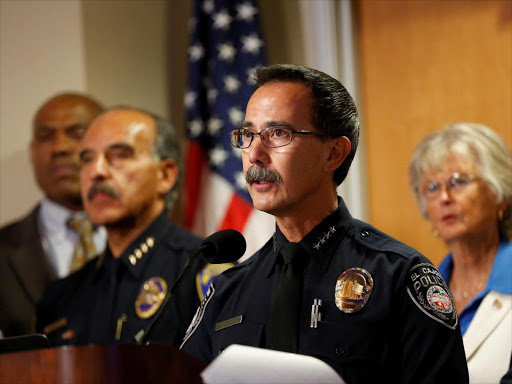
(58, 239)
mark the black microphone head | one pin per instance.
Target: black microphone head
(225, 246)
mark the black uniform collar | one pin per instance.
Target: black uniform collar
(135, 257)
(321, 241)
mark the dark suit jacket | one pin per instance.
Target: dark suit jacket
(25, 272)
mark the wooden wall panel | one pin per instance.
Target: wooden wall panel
(425, 64)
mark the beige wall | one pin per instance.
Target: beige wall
(115, 50)
(41, 53)
(425, 64)
(126, 52)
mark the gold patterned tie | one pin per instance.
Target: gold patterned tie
(84, 248)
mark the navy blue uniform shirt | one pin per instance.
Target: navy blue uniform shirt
(398, 336)
(102, 303)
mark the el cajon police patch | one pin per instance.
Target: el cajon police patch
(429, 292)
(196, 320)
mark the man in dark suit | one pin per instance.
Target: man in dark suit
(39, 248)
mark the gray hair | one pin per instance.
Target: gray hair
(166, 146)
(475, 143)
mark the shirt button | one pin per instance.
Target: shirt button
(339, 351)
(365, 233)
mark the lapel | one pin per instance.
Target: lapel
(28, 260)
(491, 312)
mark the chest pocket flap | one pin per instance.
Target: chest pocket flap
(245, 333)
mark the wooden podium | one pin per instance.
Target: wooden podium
(109, 364)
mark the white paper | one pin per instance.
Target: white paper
(249, 365)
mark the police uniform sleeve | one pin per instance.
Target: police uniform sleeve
(429, 331)
(56, 310)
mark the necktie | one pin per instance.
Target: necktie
(282, 332)
(84, 248)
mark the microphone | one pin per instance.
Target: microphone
(225, 246)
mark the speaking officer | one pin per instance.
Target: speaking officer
(325, 284)
(129, 166)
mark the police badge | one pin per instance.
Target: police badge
(353, 289)
(430, 293)
(151, 297)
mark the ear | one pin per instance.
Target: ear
(339, 150)
(503, 205)
(167, 175)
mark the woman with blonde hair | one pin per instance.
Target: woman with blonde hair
(462, 180)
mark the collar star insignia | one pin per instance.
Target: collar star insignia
(141, 250)
(324, 239)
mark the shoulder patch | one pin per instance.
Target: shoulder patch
(429, 292)
(205, 277)
(196, 320)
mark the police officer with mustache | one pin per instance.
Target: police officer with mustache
(129, 177)
(325, 284)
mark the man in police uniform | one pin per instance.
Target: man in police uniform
(129, 172)
(371, 307)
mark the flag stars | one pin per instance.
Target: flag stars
(214, 125)
(251, 44)
(237, 152)
(195, 127)
(235, 115)
(196, 52)
(218, 156)
(240, 180)
(208, 6)
(226, 52)
(231, 84)
(246, 12)
(190, 99)
(222, 20)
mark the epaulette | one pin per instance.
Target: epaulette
(372, 238)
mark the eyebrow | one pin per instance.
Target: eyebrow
(75, 126)
(120, 146)
(270, 124)
(43, 128)
(66, 128)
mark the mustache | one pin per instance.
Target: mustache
(102, 187)
(256, 173)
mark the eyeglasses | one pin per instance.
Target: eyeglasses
(273, 137)
(456, 183)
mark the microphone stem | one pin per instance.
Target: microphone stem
(143, 335)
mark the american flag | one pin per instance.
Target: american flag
(226, 45)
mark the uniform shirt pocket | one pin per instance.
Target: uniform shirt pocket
(346, 346)
(245, 334)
